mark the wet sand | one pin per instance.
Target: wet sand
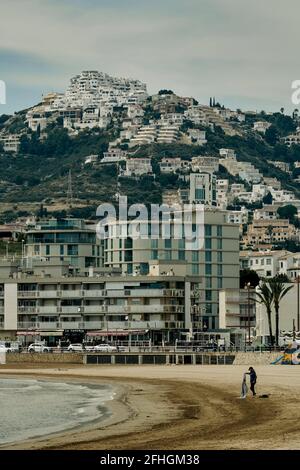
(181, 407)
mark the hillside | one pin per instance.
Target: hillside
(38, 173)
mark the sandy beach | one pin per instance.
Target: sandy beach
(180, 407)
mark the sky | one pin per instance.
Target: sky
(245, 53)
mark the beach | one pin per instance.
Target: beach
(179, 407)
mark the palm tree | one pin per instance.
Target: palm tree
(265, 297)
(278, 292)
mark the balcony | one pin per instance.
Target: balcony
(27, 325)
(71, 325)
(24, 309)
(49, 294)
(29, 294)
(94, 309)
(94, 325)
(94, 293)
(46, 310)
(67, 294)
(72, 309)
(48, 325)
(155, 308)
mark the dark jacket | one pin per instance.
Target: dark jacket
(253, 376)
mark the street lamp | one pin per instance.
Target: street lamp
(23, 254)
(248, 287)
(298, 302)
(105, 320)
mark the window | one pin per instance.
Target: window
(219, 230)
(208, 269)
(61, 249)
(181, 255)
(128, 255)
(181, 244)
(208, 256)
(195, 256)
(154, 244)
(168, 243)
(208, 282)
(208, 243)
(207, 230)
(144, 268)
(154, 254)
(219, 257)
(128, 243)
(72, 250)
(220, 270)
(195, 269)
(269, 261)
(220, 283)
(200, 194)
(219, 244)
(47, 250)
(208, 295)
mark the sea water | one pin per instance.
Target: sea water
(32, 408)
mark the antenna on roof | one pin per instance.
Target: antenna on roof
(70, 191)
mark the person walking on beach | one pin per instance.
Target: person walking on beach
(253, 378)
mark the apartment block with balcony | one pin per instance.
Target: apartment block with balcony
(54, 308)
(69, 240)
(269, 232)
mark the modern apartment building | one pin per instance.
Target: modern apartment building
(71, 240)
(215, 263)
(203, 189)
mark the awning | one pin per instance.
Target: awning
(116, 333)
(51, 333)
(28, 333)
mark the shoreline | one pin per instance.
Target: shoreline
(114, 410)
(180, 407)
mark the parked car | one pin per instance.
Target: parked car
(5, 349)
(38, 348)
(76, 347)
(105, 348)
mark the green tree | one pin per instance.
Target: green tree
(265, 297)
(248, 275)
(268, 198)
(279, 290)
(271, 135)
(287, 212)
